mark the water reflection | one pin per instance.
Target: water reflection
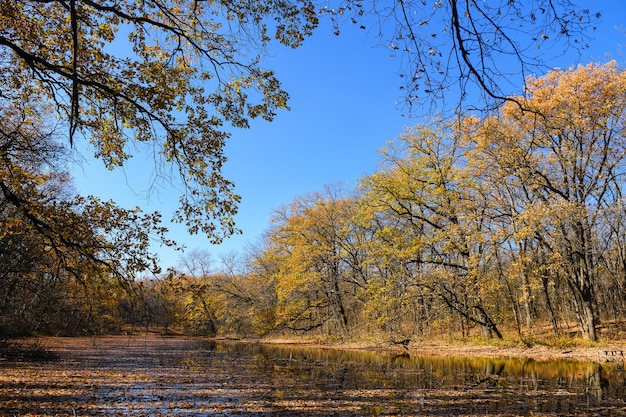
(472, 385)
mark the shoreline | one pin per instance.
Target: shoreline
(536, 352)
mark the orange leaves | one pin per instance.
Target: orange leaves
(579, 104)
(573, 141)
(557, 166)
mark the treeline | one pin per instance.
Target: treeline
(510, 221)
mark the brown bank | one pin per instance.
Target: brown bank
(603, 352)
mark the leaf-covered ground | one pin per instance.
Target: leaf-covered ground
(158, 376)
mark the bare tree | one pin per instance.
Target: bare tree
(466, 48)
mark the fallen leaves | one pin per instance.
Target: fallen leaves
(154, 376)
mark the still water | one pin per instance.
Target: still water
(432, 385)
(161, 376)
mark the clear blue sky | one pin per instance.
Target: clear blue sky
(345, 105)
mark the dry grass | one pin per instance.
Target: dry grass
(540, 344)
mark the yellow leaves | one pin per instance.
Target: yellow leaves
(110, 144)
(106, 32)
(140, 72)
(566, 149)
(580, 98)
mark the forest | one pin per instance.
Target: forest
(494, 225)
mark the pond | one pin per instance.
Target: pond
(189, 377)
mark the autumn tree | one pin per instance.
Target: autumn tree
(320, 257)
(440, 233)
(215, 301)
(393, 303)
(170, 76)
(54, 243)
(566, 154)
(520, 258)
(165, 76)
(129, 76)
(263, 266)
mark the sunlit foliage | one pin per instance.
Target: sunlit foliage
(508, 220)
(438, 232)
(566, 160)
(490, 226)
(320, 252)
(166, 76)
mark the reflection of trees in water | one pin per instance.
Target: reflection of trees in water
(434, 384)
(596, 382)
(229, 378)
(350, 369)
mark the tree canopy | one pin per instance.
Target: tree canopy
(175, 77)
(171, 76)
(166, 75)
(566, 158)
(56, 246)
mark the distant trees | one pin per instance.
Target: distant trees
(493, 223)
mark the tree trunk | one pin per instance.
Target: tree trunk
(515, 306)
(588, 304)
(487, 326)
(590, 321)
(583, 304)
(546, 294)
(527, 296)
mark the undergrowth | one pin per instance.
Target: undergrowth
(25, 352)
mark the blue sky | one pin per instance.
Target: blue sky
(345, 105)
